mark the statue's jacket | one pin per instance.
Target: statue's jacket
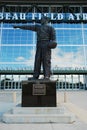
(45, 34)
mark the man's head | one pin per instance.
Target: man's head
(44, 20)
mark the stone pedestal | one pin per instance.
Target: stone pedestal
(39, 93)
(38, 115)
(38, 105)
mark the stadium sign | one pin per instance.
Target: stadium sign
(37, 16)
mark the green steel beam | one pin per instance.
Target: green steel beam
(54, 72)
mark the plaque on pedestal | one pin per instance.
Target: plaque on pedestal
(39, 93)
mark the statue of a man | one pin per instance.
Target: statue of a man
(46, 40)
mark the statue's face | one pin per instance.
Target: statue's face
(44, 20)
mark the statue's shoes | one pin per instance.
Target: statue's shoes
(46, 78)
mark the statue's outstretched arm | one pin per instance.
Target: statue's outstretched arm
(26, 27)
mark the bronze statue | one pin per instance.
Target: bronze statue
(46, 40)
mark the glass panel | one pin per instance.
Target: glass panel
(86, 54)
(17, 54)
(85, 25)
(68, 56)
(17, 36)
(65, 25)
(69, 36)
(85, 36)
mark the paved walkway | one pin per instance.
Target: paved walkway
(74, 101)
(79, 112)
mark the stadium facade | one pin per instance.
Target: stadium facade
(17, 47)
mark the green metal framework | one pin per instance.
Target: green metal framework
(54, 72)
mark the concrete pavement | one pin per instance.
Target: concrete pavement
(75, 102)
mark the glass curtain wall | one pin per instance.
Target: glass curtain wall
(17, 47)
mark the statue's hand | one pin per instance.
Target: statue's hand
(15, 26)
